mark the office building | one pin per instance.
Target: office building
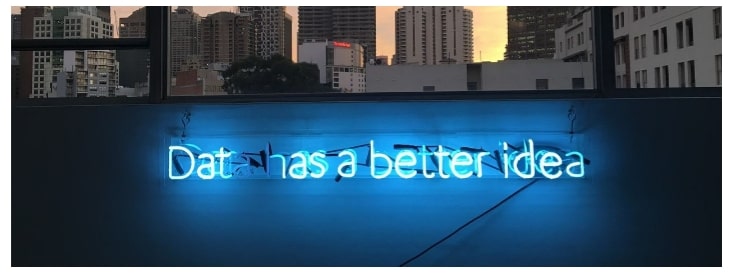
(350, 24)
(134, 63)
(184, 37)
(226, 37)
(270, 26)
(531, 31)
(341, 64)
(433, 35)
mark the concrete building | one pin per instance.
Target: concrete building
(15, 57)
(270, 25)
(541, 74)
(339, 23)
(184, 37)
(433, 35)
(659, 47)
(574, 40)
(226, 37)
(133, 64)
(200, 82)
(27, 31)
(341, 64)
(95, 72)
(531, 31)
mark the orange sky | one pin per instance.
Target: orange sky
(490, 28)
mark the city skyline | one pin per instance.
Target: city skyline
(490, 28)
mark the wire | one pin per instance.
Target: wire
(468, 223)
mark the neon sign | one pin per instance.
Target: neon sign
(341, 44)
(410, 161)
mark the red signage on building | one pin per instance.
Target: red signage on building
(341, 44)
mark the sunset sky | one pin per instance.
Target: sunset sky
(490, 28)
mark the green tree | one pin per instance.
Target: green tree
(277, 74)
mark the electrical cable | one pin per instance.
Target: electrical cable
(468, 223)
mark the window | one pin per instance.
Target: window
(657, 78)
(665, 73)
(578, 83)
(656, 42)
(643, 45)
(636, 13)
(680, 35)
(664, 39)
(617, 53)
(636, 47)
(429, 88)
(680, 75)
(644, 76)
(691, 73)
(642, 12)
(541, 84)
(615, 21)
(637, 79)
(654, 9)
(718, 69)
(717, 22)
(690, 32)
(622, 19)
(618, 82)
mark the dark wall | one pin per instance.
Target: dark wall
(89, 188)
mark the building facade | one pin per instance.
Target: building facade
(341, 64)
(184, 37)
(531, 31)
(351, 24)
(134, 63)
(661, 47)
(574, 40)
(433, 35)
(226, 37)
(270, 25)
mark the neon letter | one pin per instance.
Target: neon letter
(505, 166)
(221, 156)
(529, 153)
(317, 159)
(550, 159)
(405, 158)
(373, 156)
(210, 166)
(423, 154)
(192, 163)
(283, 164)
(461, 159)
(577, 163)
(441, 154)
(478, 162)
(298, 166)
(352, 163)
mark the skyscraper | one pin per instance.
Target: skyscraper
(341, 23)
(133, 64)
(226, 37)
(531, 31)
(433, 35)
(15, 59)
(184, 24)
(270, 30)
(27, 16)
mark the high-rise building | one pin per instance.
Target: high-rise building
(270, 30)
(27, 31)
(133, 64)
(434, 35)
(226, 37)
(531, 31)
(342, 23)
(574, 40)
(15, 58)
(184, 37)
(73, 73)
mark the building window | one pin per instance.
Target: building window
(691, 73)
(578, 83)
(717, 21)
(622, 19)
(654, 9)
(680, 35)
(636, 13)
(690, 32)
(643, 45)
(718, 69)
(665, 73)
(471, 85)
(429, 88)
(657, 78)
(636, 47)
(615, 22)
(618, 82)
(637, 79)
(656, 42)
(644, 76)
(541, 84)
(680, 74)
(642, 12)
(617, 54)
(664, 39)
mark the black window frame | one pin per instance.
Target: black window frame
(157, 43)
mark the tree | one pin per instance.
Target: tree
(277, 74)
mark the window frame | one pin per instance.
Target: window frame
(157, 43)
